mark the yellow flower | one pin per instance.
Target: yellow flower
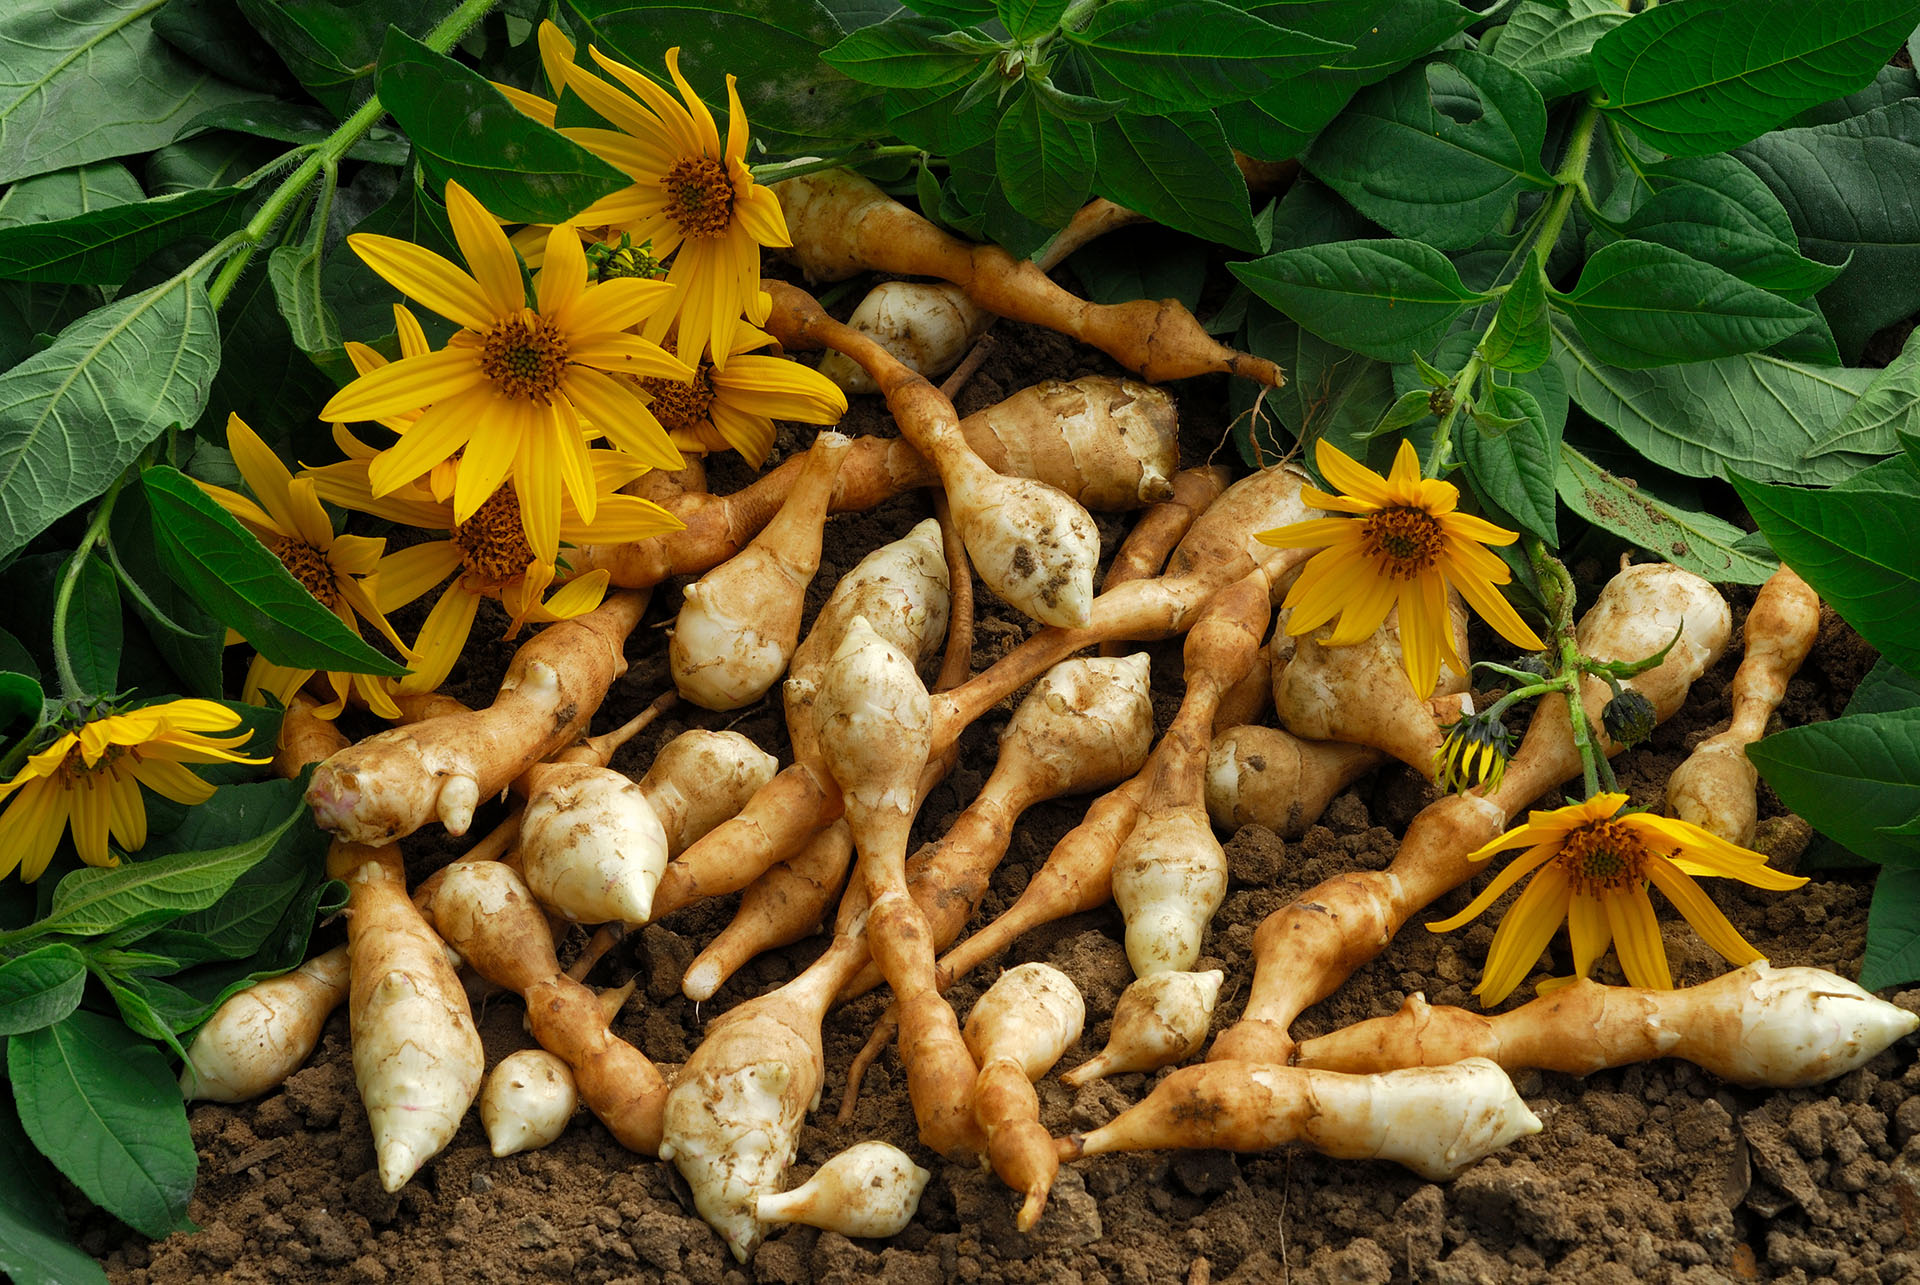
(737, 406)
(487, 555)
(91, 778)
(515, 390)
(342, 571)
(1594, 866)
(1404, 546)
(692, 197)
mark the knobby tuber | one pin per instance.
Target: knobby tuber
(1160, 1019)
(1016, 1032)
(527, 1101)
(1264, 776)
(871, 1190)
(788, 901)
(262, 1034)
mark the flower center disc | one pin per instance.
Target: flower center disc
(310, 567)
(492, 542)
(700, 196)
(681, 406)
(524, 357)
(1603, 857)
(1405, 541)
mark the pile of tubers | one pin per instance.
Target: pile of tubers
(827, 838)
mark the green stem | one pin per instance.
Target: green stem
(775, 171)
(1557, 584)
(69, 580)
(326, 154)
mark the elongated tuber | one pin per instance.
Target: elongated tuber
(262, 1034)
(1434, 1120)
(1160, 1019)
(870, 1190)
(699, 779)
(1758, 1025)
(784, 904)
(1016, 1032)
(526, 1102)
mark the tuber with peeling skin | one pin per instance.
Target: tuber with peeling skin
(1436, 1121)
(1160, 1019)
(788, 901)
(1714, 788)
(842, 224)
(1264, 776)
(1307, 948)
(1032, 544)
(740, 622)
(869, 1190)
(1758, 1026)
(526, 1102)
(396, 781)
(262, 1034)
(1016, 1032)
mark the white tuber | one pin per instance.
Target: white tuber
(1016, 1032)
(260, 1035)
(526, 1102)
(1264, 776)
(1160, 1019)
(699, 779)
(870, 1190)
(591, 847)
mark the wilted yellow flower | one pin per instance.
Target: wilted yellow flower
(736, 406)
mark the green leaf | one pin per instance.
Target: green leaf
(932, 118)
(93, 636)
(77, 413)
(1893, 930)
(21, 697)
(233, 576)
(1698, 542)
(1439, 152)
(1189, 55)
(33, 1244)
(1889, 85)
(1113, 269)
(102, 1106)
(1754, 414)
(1550, 44)
(297, 123)
(361, 299)
(266, 380)
(1178, 171)
(1520, 339)
(1516, 469)
(1852, 778)
(1854, 547)
(67, 193)
(1382, 299)
(294, 271)
(1330, 393)
(188, 638)
(1731, 233)
(900, 53)
(105, 246)
(1638, 305)
(1854, 189)
(332, 48)
(1699, 78)
(1888, 407)
(215, 34)
(1045, 164)
(89, 80)
(218, 159)
(40, 987)
(1886, 687)
(465, 130)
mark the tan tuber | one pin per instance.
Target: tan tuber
(1016, 1032)
(526, 1102)
(265, 1032)
(1160, 1019)
(870, 1190)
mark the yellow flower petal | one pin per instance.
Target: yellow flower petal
(485, 248)
(1636, 938)
(1496, 611)
(563, 274)
(444, 429)
(1590, 932)
(126, 814)
(1523, 934)
(1707, 853)
(536, 474)
(407, 385)
(1314, 531)
(91, 803)
(265, 475)
(1515, 871)
(1698, 909)
(427, 278)
(531, 105)
(617, 411)
(490, 454)
(1350, 475)
(31, 827)
(169, 779)
(442, 638)
(412, 571)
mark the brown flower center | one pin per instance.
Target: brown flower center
(524, 357)
(1404, 541)
(492, 542)
(1603, 856)
(700, 196)
(681, 405)
(309, 566)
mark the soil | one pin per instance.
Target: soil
(1653, 1173)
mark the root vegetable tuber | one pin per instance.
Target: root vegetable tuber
(394, 782)
(1144, 551)
(264, 1033)
(843, 224)
(699, 779)
(740, 622)
(1434, 1120)
(1264, 776)
(528, 1098)
(1161, 1019)
(591, 846)
(1110, 444)
(1714, 788)
(1016, 1032)
(784, 904)
(1757, 1026)
(869, 1190)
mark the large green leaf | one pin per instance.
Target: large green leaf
(1189, 55)
(93, 637)
(1893, 930)
(1382, 299)
(1438, 152)
(297, 123)
(66, 193)
(187, 638)
(1854, 189)
(1888, 407)
(1855, 547)
(1699, 542)
(1550, 44)
(101, 1104)
(333, 47)
(1890, 84)
(1852, 778)
(361, 299)
(217, 159)
(1638, 304)
(1330, 393)
(1045, 164)
(1753, 414)
(901, 53)
(1731, 230)
(87, 80)
(233, 576)
(465, 130)
(1695, 78)
(266, 380)
(40, 987)
(1178, 171)
(77, 413)
(105, 246)
(33, 1243)
(1519, 339)
(1516, 467)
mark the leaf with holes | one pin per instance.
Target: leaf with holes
(1698, 542)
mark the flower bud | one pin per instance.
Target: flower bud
(1629, 717)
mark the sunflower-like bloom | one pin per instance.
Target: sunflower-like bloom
(736, 406)
(90, 778)
(342, 571)
(1594, 865)
(1404, 546)
(692, 197)
(487, 555)
(516, 390)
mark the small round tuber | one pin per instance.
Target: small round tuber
(869, 1190)
(1160, 1019)
(526, 1102)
